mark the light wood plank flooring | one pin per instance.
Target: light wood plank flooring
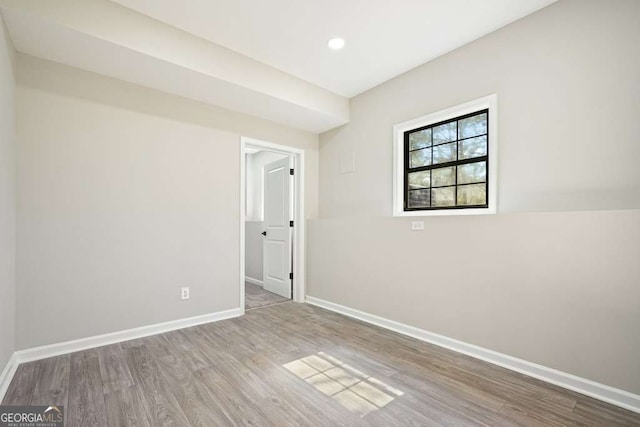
(294, 365)
(256, 297)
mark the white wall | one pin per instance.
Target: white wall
(124, 196)
(253, 263)
(7, 199)
(248, 187)
(557, 288)
(567, 84)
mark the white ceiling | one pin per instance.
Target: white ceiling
(384, 38)
(266, 58)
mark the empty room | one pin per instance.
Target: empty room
(305, 213)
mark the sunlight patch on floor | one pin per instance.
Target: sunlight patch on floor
(354, 389)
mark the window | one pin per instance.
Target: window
(446, 164)
(445, 161)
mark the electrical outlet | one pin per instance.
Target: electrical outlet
(184, 293)
(417, 225)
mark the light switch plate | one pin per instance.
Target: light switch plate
(417, 225)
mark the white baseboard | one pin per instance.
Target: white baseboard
(614, 396)
(57, 349)
(254, 281)
(7, 375)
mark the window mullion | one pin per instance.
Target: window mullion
(455, 172)
(447, 164)
(431, 174)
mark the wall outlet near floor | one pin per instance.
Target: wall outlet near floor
(184, 293)
(417, 225)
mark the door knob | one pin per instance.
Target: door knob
(264, 233)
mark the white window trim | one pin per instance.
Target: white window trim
(488, 102)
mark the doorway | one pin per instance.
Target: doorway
(271, 229)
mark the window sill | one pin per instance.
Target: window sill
(446, 212)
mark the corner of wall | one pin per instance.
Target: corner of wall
(7, 201)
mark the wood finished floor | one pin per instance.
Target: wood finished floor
(294, 365)
(256, 297)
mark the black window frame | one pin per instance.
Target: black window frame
(457, 162)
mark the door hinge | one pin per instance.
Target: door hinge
(291, 276)
(290, 171)
(290, 223)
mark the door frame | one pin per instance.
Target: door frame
(298, 265)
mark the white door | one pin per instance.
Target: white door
(277, 231)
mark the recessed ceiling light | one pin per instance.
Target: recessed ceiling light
(336, 43)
